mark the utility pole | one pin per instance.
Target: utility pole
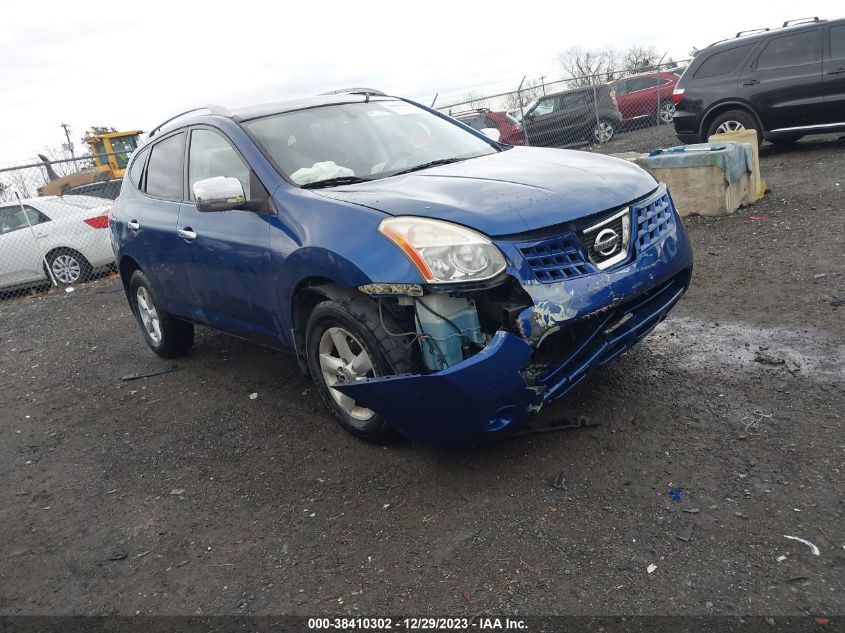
(69, 145)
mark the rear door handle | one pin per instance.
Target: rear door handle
(133, 225)
(838, 71)
(753, 82)
(187, 234)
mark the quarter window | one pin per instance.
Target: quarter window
(837, 42)
(164, 171)
(723, 62)
(211, 155)
(137, 167)
(791, 50)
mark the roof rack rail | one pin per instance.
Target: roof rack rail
(355, 91)
(802, 20)
(741, 33)
(469, 111)
(211, 109)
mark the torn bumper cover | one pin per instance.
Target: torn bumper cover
(574, 326)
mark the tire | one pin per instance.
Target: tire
(734, 121)
(666, 112)
(355, 320)
(68, 267)
(604, 131)
(166, 335)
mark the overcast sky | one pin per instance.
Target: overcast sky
(132, 64)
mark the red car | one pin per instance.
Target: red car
(646, 95)
(509, 130)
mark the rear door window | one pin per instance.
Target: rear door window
(165, 169)
(576, 99)
(837, 42)
(723, 62)
(791, 50)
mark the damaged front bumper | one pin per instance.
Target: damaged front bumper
(572, 327)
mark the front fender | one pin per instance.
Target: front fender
(316, 237)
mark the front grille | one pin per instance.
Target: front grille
(617, 225)
(574, 254)
(654, 220)
(555, 259)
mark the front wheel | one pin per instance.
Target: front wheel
(347, 340)
(604, 131)
(166, 335)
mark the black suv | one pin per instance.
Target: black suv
(574, 116)
(784, 83)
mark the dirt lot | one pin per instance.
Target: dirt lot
(179, 494)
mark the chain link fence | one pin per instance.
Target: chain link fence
(54, 222)
(580, 111)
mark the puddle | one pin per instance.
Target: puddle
(697, 344)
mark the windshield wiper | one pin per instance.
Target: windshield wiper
(331, 182)
(434, 163)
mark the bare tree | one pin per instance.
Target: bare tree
(469, 101)
(532, 89)
(25, 182)
(589, 67)
(640, 59)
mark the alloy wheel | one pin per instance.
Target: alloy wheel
(149, 315)
(667, 111)
(603, 132)
(343, 359)
(66, 268)
(730, 126)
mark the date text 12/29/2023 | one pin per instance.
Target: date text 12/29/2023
(416, 624)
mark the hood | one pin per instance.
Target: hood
(513, 191)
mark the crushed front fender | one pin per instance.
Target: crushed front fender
(455, 406)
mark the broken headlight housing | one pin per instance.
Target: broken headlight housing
(444, 252)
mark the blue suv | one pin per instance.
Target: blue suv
(432, 281)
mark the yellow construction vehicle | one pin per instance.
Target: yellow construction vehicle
(110, 151)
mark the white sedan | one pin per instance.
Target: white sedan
(69, 232)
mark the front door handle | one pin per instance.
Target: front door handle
(187, 234)
(753, 82)
(133, 225)
(838, 71)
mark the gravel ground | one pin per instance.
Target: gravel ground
(179, 494)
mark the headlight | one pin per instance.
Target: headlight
(444, 252)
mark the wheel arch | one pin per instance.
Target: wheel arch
(307, 294)
(126, 267)
(84, 263)
(725, 106)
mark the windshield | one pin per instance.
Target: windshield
(123, 146)
(353, 142)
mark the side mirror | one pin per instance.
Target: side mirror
(492, 133)
(220, 193)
